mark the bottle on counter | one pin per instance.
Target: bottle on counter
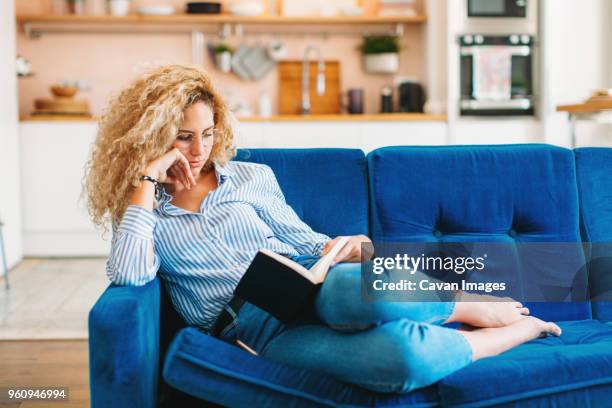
(265, 105)
(386, 99)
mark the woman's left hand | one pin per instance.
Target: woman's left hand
(351, 252)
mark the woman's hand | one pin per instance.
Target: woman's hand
(351, 252)
(172, 168)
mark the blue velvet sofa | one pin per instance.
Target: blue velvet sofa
(142, 355)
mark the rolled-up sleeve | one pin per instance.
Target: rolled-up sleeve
(284, 222)
(128, 263)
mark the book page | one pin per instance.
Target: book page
(319, 270)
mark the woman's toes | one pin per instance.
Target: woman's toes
(550, 328)
(524, 311)
(553, 329)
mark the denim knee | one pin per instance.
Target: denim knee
(336, 302)
(421, 355)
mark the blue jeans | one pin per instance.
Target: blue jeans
(381, 346)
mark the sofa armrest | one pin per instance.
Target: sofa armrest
(124, 346)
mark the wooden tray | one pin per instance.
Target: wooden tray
(290, 88)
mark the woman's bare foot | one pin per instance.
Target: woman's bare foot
(492, 341)
(487, 311)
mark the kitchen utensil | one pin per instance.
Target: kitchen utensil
(265, 105)
(75, 7)
(290, 88)
(355, 101)
(386, 99)
(119, 8)
(257, 62)
(158, 10)
(63, 103)
(23, 66)
(247, 8)
(237, 62)
(601, 95)
(61, 106)
(277, 50)
(64, 91)
(203, 7)
(223, 60)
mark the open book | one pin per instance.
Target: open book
(283, 287)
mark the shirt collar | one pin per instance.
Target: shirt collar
(223, 173)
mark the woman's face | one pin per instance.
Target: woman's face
(195, 137)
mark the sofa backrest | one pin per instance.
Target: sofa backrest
(327, 188)
(594, 174)
(503, 193)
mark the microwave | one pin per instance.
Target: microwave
(497, 8)
(496, 77)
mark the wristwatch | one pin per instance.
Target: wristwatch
(156, 183)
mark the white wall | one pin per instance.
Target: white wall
(575, 55)
(608, 50)
(9, 169)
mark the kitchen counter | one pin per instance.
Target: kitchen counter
(378, 117)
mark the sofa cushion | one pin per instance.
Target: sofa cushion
(208, 368)
(574, 370)
(327, 188)
(505, 193)
(594, 172)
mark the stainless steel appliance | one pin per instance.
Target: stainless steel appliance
(499, 16)
(496, 74)
(497, 8)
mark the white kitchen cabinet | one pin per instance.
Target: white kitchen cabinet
(53, 155)
(55, 221)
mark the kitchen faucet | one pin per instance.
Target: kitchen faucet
(306, 78)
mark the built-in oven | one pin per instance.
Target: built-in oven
(496, 74)
(497, 8)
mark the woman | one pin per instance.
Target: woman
(161, 172)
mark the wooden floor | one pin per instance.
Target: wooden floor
(46, 363)
(50, 298)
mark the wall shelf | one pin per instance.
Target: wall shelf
(35, 25)
(218, 18)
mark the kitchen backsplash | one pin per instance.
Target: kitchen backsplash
(108, 61)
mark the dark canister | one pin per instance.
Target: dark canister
(386, 99)
(355, 101)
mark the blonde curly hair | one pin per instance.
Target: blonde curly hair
(139, 125)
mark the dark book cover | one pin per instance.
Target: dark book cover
(276, 288)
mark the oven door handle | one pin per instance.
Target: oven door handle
(521, 51)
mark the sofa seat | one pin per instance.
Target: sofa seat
(568, 371)
(219, 372)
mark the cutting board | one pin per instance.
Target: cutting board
(61, 106)
(290, 88)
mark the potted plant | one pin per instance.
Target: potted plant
(380, 54)
(223, 57)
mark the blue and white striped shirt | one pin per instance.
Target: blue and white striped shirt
(202, 255)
